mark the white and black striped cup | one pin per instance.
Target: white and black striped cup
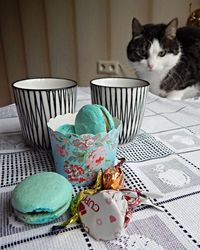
(37, 100)
(125, 99)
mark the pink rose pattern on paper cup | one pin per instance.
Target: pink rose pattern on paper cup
(80, 157)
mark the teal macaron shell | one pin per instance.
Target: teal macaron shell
(42, 195)
(42, 217)
(66, 129)
(91, 120)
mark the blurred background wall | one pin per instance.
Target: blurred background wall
(66, 38)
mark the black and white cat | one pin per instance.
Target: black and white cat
(167, 57)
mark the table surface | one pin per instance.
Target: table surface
(164, 158)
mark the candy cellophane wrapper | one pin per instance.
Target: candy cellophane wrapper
(76, 202)
(102, 214)
(106, 213)
(80, 157)
(113, 177)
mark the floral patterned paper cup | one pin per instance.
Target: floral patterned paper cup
(80, 157)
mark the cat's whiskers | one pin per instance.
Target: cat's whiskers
(171, 78)
(173, 73)
(177, 74)
(127, 69)
(128, 65)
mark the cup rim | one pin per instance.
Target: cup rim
(92, 82)
(73, 82)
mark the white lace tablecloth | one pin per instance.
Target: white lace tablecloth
(164, 158)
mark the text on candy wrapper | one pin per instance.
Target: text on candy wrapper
(90, 203)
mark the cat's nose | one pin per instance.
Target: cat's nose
(150, 66)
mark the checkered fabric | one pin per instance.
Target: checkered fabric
(163, 159)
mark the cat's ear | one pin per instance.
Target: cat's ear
(170, 31)
(136, 27)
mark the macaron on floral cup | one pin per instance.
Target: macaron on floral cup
(80, 157)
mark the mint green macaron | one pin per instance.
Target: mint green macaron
(93, 119)
(41, 198)
(66, 129)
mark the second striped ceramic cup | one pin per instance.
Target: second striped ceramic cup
(125, 98)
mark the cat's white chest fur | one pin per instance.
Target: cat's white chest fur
(153, 77)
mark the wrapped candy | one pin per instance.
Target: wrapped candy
(102, 214)
(113, 177)
(105, 214)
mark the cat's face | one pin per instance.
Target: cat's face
(153, 47)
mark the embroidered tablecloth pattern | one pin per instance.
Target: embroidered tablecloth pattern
(164, 158)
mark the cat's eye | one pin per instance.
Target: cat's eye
(162, 53)
(142, 52)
